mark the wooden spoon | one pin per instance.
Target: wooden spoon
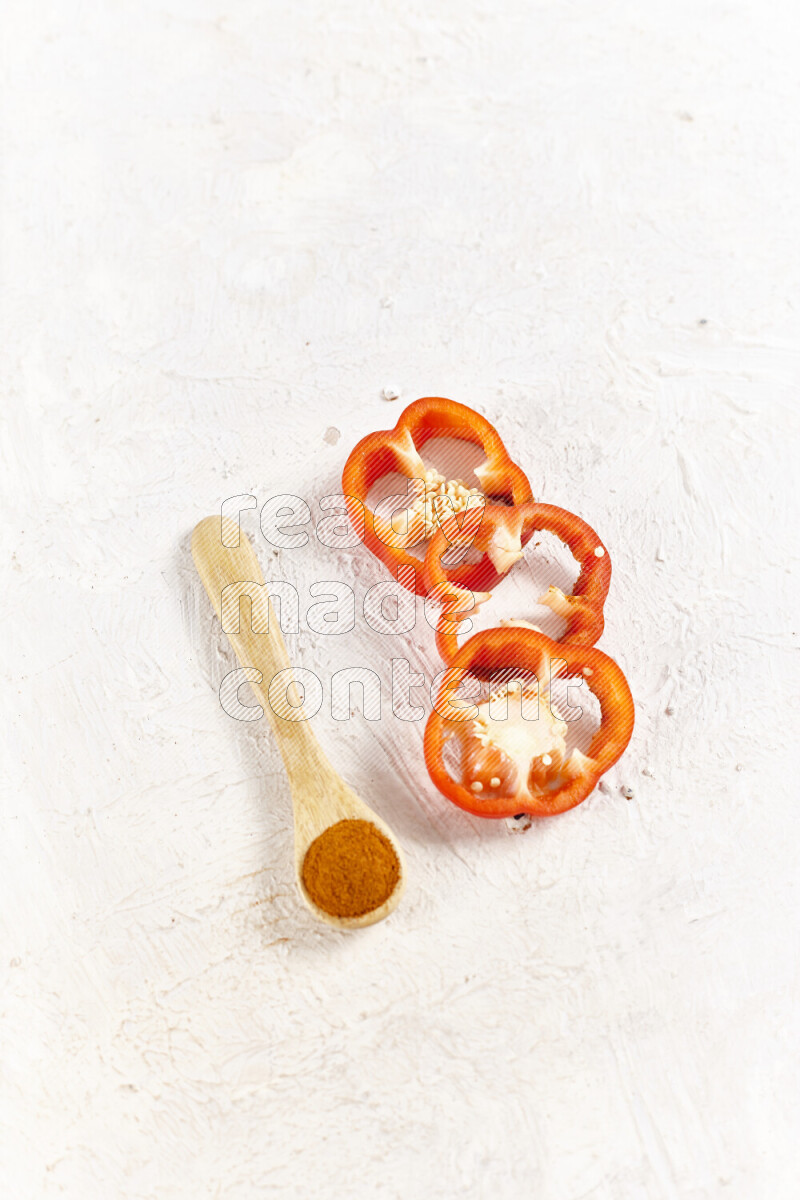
(320, 798)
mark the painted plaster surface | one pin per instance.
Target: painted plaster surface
(229, 232)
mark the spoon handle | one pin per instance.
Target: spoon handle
(229, 569)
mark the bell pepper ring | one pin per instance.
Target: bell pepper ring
(502, 534)
(434, 500)
(519, 762)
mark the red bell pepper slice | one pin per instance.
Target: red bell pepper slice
(501, 536)
(397, 450)
(520, 764)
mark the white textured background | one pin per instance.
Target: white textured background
(226, 227)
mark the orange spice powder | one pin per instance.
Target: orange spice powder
(350, 869)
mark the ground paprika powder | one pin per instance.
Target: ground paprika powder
(350, 869)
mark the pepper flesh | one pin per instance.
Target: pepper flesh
(397, 450)
(553, 783)
(503, 532)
